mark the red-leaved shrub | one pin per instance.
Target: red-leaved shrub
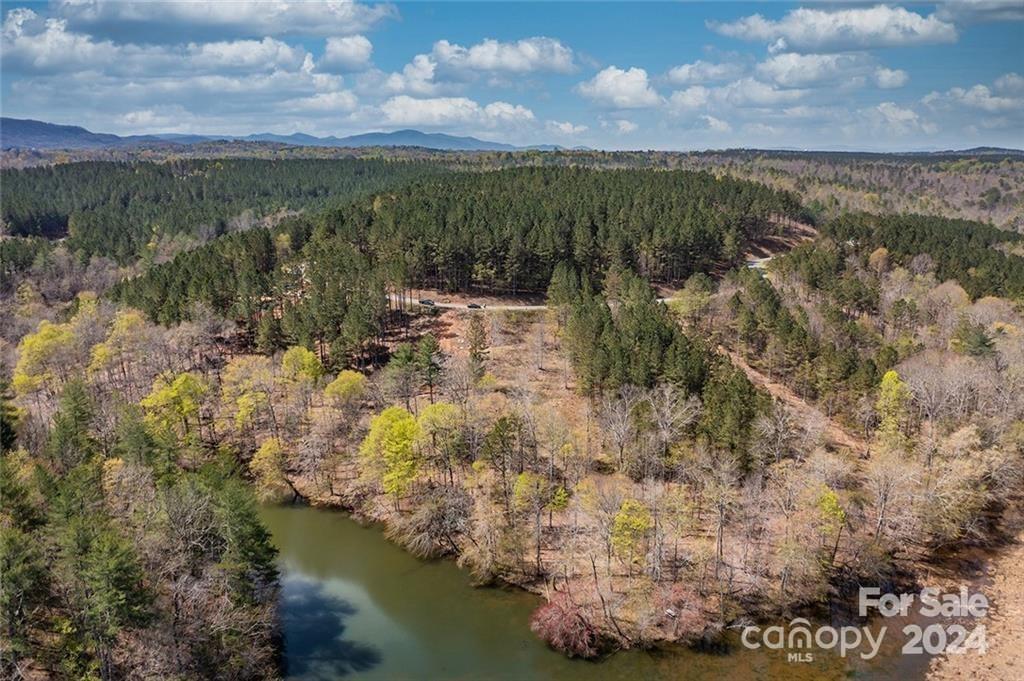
(561, 624)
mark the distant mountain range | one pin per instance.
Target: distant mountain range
(16, 133)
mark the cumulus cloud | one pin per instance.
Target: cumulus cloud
(888, 79)
(716, 124)
(701, 71)
(347, 53)
(999, 107)
(32, 44)
(620, 89)
(166, 118)
(894, 120)
(448, 66)
(232, 67)
(155, 22)
(745, 97)
(417, 77)
(694, 97)
(325, 102)
(1010, 83)
(245, 55)
(446, 111)
(752, 92)
(813, 30)
(522, 56)
(565, 128)
(791, 69)
(978, 97)
(225, 86)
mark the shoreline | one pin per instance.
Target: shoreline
(1004, 625)
(1002, 575)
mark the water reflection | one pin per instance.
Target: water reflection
(314, 624)
(356, 607)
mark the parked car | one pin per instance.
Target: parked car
(426, 301)
(474, 306)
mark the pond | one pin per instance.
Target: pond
(355, 606)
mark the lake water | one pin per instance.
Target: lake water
(355, 606)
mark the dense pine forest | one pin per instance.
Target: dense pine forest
(986, 185)
(962, 250)
(120, 210)
(324, 278)
(664, 444)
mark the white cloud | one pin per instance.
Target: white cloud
(348, 53)
(417, 77)
(227, 68)
(503, 112)
(447, 111)
(977, 97)
(892, 119)
(811, 30)
(716, 124)
(32, 44)
(760, 98)
(620, 89)
(245, 55)
(701, 71)
(694, 97)
(791, 69)
(751, 92)
(448, 67)
(523, 56)
(1000, 107)
(888, 79)
(159, 119)
(229, 102)
(1010, 83)
(327, 102)
(622, 126)
(803, 111)
(565, 128)
(155, 22)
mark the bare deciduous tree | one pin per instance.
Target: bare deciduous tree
(617, 418)
(777, 433)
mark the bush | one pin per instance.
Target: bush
(560, 623)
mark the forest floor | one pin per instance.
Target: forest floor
(793, 234)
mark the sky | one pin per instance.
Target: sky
(609, 75)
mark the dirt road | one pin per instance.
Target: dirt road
(833, 431)
(460, 305)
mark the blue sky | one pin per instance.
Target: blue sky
(606, 75)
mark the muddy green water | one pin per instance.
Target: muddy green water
(355, 606)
